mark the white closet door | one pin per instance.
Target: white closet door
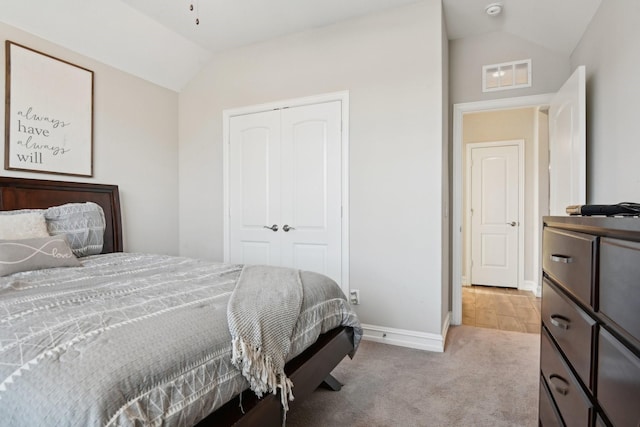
(254, 188)
(285, 170)
(311, 188)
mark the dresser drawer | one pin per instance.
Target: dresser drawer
(568, 258)
(618, 390)
(548, 413)
(575, 408)
(619, 289)
(571, 327)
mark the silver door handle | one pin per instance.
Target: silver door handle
(286, 228)
(512, 223)
(274, 227)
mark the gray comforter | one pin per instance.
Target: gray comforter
(131, 339)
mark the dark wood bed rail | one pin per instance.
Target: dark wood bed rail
(22, 193)
(307, 371)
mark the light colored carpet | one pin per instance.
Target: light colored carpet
(485, 377)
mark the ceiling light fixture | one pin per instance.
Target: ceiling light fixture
(494, 9)
(195, 9)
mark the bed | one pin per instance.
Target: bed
(164, 373)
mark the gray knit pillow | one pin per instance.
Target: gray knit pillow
(35, 254)
(83, 224)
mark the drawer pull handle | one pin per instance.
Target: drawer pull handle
(561, 259)
(559, 384)
(560, 321)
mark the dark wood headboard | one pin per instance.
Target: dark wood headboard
(22, 193)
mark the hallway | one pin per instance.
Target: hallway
(506, 309)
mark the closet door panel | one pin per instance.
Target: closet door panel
(308, 175)
(255, 188)
(311, 188)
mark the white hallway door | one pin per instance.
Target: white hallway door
(285, 188)
(495, 206)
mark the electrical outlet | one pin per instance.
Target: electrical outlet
(354, 296)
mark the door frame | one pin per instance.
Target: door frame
(459, 110)
(227, 114)
(521, 224)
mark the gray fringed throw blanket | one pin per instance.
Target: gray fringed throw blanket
(262, 335)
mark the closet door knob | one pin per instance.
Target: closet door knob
(286, 228)
(274, 227)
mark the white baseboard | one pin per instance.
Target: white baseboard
(530, 285)
(406, 338)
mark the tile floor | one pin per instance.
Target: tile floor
(500, 308)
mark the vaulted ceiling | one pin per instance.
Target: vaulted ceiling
(555, 24)
(159, 40)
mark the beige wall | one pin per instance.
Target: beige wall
(504, 126)
(392, 65)
(135, 147)
(609, 50)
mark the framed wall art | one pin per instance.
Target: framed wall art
(48, 114)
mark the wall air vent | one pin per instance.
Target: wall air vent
(508, 75)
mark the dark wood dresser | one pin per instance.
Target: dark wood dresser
(590, 336)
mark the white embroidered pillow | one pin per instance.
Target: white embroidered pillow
(35, 254)
(18, 225)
